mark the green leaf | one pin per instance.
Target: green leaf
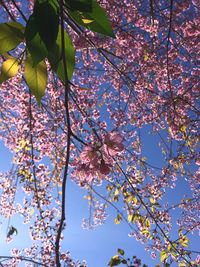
(9, 69)
(55, 56)
(120, 251)
(35, 45)
(46, 14)
(79, 5)
(97, 17)
(36, 77)
(115, 260)
(11, 34)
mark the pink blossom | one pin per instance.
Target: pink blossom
(113, 144)
(104, 168)
(197, 260)
(89, 156)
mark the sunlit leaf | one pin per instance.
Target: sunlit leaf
(87, 21)
(183, 129)
(9, 69)
(11, 34)
(118, 219)
(182, 264)
(148, 224)
(55, 56)
(145, 232)
(163, 255)
(184, 241)
(116, 192)
(130, 216)
(146, 56)
(152, 200)
(169, 247)
(36, 77)
(109, 187)
(31, 211)
(115, 260)
(120, 251)
(132, 199)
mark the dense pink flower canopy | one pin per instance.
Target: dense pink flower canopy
(145, 80)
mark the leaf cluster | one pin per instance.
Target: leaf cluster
(45, 41)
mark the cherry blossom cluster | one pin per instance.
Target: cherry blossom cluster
(97, 161)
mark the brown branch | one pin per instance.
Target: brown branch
(67, 88)
(7, 10)
(19, 10)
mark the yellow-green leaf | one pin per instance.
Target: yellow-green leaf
(145, 232)
(120, 251)
(152, 200)
(87, 21)
(184, 241)
(163, 255)
(118, 219)
(115, 260)
(148, 224)
(183, 128)
(116, 192)
(146, 57)
(130, 216)
(11, 34)
(182, 264)
(109, 187)
(9, 69)
(169, 247)
(31, 211)
(132, 199)
(36, 77)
